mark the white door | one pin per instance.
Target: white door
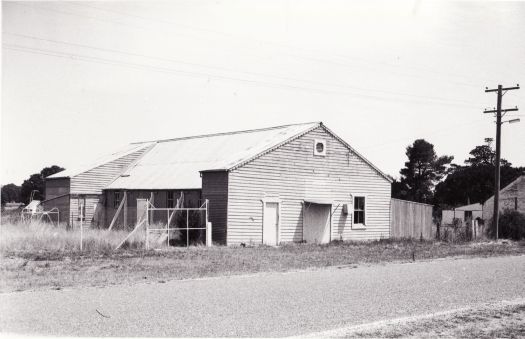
(271, 223)
(316, 223)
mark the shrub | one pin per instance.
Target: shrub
(511, 225)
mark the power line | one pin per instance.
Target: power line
(205, 75)
(308, 58)
(445, 130)
(230, 69)
(251, 40)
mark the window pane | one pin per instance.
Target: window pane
(359, 203)
(359, 217)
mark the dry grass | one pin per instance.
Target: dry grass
(41, 256)
(490, 321)
(44, 239)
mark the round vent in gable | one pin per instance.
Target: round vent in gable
(319, 147)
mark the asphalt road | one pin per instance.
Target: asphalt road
(273, 304)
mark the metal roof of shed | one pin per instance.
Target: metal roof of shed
(177, 163)
(122, 152)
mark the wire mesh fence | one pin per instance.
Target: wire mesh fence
(176, 226)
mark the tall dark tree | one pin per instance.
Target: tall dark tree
(474, 182)
(10, 193)
(423, 170)
(36, 183)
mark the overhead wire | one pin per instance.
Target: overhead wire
(441, 132)
(308, 58)
(214, 76)
(178, 61)
(252, 40)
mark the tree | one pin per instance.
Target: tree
(423, 170)
(484, 155)
(36, 183)
(10, 193)
(474, 182)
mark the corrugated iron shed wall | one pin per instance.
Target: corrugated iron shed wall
(510, 196)
(215, 189)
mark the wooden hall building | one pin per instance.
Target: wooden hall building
(287, 183)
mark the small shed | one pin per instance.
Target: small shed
(511, 196)
(464, 213)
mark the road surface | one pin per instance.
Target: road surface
(270, 304)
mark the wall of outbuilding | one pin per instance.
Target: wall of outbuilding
(511, 197)
(215, 189)
(293, 174)
(95, 179)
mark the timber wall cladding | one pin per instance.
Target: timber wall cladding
(90, 201)
(410, 220)
(293, 174)
(94, 180)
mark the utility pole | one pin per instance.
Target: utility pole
(499, 114)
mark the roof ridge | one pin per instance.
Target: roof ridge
(227, 133)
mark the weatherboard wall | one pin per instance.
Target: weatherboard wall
(94, 180)
(90, 201)
(293, 174)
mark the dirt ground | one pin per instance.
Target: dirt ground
(30, 270)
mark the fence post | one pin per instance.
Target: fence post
(81, 225)
(147, 224)
(208, 233)
(208, 225)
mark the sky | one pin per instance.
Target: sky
(82, 79)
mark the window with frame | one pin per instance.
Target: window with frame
(320, 147)
(468, 215)
(117, 198)
(170, 199)
(359, 210)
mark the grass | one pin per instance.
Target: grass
(41, 256)
(44, 239)
(501, 320)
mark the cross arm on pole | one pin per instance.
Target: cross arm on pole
(503, 110)
(503, 89)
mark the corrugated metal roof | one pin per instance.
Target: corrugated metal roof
(176, 163)
(128, 149)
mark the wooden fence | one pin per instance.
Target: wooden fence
(410, 219)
